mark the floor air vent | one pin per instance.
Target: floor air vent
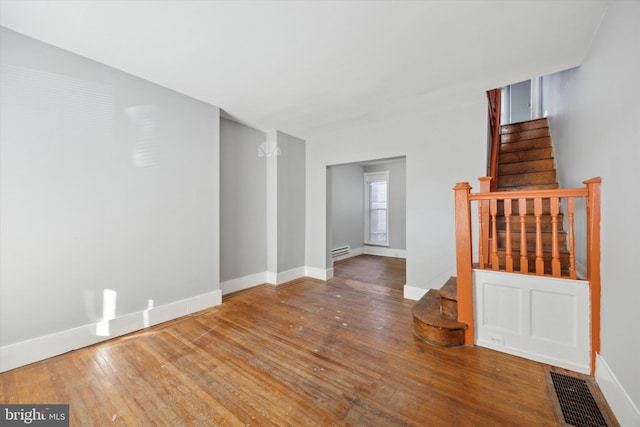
(575, 402)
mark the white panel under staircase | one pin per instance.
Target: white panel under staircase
(539, 318)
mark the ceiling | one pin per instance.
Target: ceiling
(304, 67)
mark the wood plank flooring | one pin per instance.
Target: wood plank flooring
(307, 353)
(382, 271)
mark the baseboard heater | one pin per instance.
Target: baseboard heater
(342, 250)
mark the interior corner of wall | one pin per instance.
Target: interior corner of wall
(623, 407)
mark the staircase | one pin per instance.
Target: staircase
(435, 317)
(525, 162)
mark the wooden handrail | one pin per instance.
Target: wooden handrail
(488, 206)
(495, 100)
(531, 194)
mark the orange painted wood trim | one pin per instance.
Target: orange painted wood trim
(495, 106)
(572, 239)
(507, 218)
(495, 262)
(593, 262)
(531, 194)
(524, 256)
(555, 247)
(483, 212)
(464, 259)
(537, 211)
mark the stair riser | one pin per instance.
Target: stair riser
(525, 145)
(532, 178)
(515, 208)
(530, 223)
(564, 261)
(547, 240)
(528, 125)
(526, 155)
(529, 187)
(436, 336)
(524, 135)
(525, 167)
(449, 308)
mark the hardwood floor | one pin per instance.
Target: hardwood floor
(307, 353)
(377, 270)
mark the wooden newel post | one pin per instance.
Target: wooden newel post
(463, 258)
(593, 262)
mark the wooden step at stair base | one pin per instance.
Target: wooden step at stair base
(433, 326)
(449, 298)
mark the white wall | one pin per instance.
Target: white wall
(595, 120)
(291, 204)
(107, 182)
(441, 148)
(243, 201)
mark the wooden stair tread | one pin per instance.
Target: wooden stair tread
(526, 166)
(427, 310)
(530, 144)
(527, 178)
(450, 289)
(525, 125)
(525, 135)
(529, 187)
(526, 155)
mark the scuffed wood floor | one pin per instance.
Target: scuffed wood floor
(307, 353)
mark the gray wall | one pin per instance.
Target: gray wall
(595, 116)
(519, 102)
(291, 202)
(347, 201)
(397, 201)
(107, 182)
(243, 201)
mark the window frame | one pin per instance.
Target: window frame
(369, 178)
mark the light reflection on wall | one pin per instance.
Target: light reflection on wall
(109, 297)
(145, 313)
(79, 107)
(145, 139)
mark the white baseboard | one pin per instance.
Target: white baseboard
(414, 293)
(619, 401)
(353, 252)
(318, 273)
(289, 275)
(241, 283)
(25, 352)
(562, 363)
(384, 251)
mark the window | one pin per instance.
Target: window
(376, 216)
